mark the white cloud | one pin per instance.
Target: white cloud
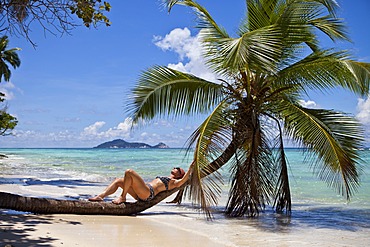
(308, 104)
(363, 115)
(163, 123)
(29, 138)
(189, 50)
(363, 108)
(6, 88)
(72, 120)
(93, 129)
(122, 130)
(180, 41)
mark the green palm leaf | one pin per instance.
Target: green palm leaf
(205, 20)
(301, 19)
(282, 190)
(256, 49)
(332, 27)
(163, 91)
(7, 57)
(330, 5)
(211, 138)
(252, 182)
(334, 137)
(326, 69)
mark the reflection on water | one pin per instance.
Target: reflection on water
(311, 216)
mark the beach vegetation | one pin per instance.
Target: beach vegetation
(55, 17)
(254, 107)
(7, 121)
(7, 57)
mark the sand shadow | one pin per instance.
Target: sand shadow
(19, 229)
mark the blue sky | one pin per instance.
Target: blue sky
(72, 90)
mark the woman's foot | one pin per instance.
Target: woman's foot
(119, 200)
(96, 199)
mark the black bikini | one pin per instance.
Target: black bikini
(165, 181)
(151, 196)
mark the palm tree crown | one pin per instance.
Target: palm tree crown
(7, 57)
(263, 73)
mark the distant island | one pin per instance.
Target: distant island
(119, 143)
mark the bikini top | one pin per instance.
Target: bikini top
(164, 180)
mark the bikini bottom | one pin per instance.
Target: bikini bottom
(151, 196)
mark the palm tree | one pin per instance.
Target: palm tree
(7, 57)
(7, 122)
(263, 73)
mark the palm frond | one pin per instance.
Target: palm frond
(205, 21)
(301, 19)
(360, 82)
(170, 3)
(7, 57)
(256, 50)
(252, 176)
(251, 185)
(211, 137)
(12, 57)
(259, 15)
(282, 189)
(327, 69)
(4, 41)
(334, 28)
(330, 5)
(163, 91)
(333, 137)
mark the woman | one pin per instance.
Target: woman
(134, 185)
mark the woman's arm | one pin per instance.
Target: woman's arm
(179, 182)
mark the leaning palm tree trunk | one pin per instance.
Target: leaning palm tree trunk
(54, 206)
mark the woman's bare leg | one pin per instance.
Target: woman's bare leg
(133, 194)
(131, 183)
(109, 190)
(134, 185)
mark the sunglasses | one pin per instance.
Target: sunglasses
(178, 169)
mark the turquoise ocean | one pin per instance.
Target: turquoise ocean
(314, 203)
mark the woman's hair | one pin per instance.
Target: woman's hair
(181, 171)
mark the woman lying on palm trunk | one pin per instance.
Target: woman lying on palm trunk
(133, 184)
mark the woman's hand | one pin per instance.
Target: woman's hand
(191, 167)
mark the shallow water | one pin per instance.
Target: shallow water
(101, 165)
